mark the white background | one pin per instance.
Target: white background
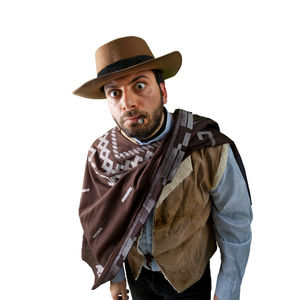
(240, 67)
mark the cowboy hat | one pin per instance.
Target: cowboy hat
(122, 57)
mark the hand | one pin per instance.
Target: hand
(215, 297)
(118, 290)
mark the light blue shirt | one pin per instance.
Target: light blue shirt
(232, 216)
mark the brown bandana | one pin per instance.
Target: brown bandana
(123, 181)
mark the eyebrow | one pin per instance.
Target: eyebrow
(111, 85)
(137, 78)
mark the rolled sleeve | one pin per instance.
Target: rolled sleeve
(232, 216)
(120, 276)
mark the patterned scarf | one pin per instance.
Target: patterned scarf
(123, 181)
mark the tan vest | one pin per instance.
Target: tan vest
(183, 236)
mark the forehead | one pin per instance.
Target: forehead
(128, 79)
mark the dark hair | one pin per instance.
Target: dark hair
(158, 76)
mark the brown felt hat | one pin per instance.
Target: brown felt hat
(122, 57)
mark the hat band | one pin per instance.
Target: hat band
(123, 64)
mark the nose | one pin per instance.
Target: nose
(129, 101)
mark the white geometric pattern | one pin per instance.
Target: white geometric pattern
(99, 269)
(113, 163)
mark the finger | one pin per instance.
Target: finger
(117, 297)
(124, 296)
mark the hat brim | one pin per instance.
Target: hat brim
(169, 64)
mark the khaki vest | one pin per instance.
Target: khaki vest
(183, 235)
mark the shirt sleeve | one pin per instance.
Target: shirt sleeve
(120, 276)
(232, 216)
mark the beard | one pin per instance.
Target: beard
(145, 130)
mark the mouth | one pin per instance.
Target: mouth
(132, 120)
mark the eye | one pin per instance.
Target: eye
(140, 86)
(114, 93)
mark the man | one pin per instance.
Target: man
(160, 189)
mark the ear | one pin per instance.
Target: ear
(164, 92)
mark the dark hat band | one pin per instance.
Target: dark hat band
(123, 64)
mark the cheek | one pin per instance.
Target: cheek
(152, 98)
(114, 110)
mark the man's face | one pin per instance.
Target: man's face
(137, 96)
